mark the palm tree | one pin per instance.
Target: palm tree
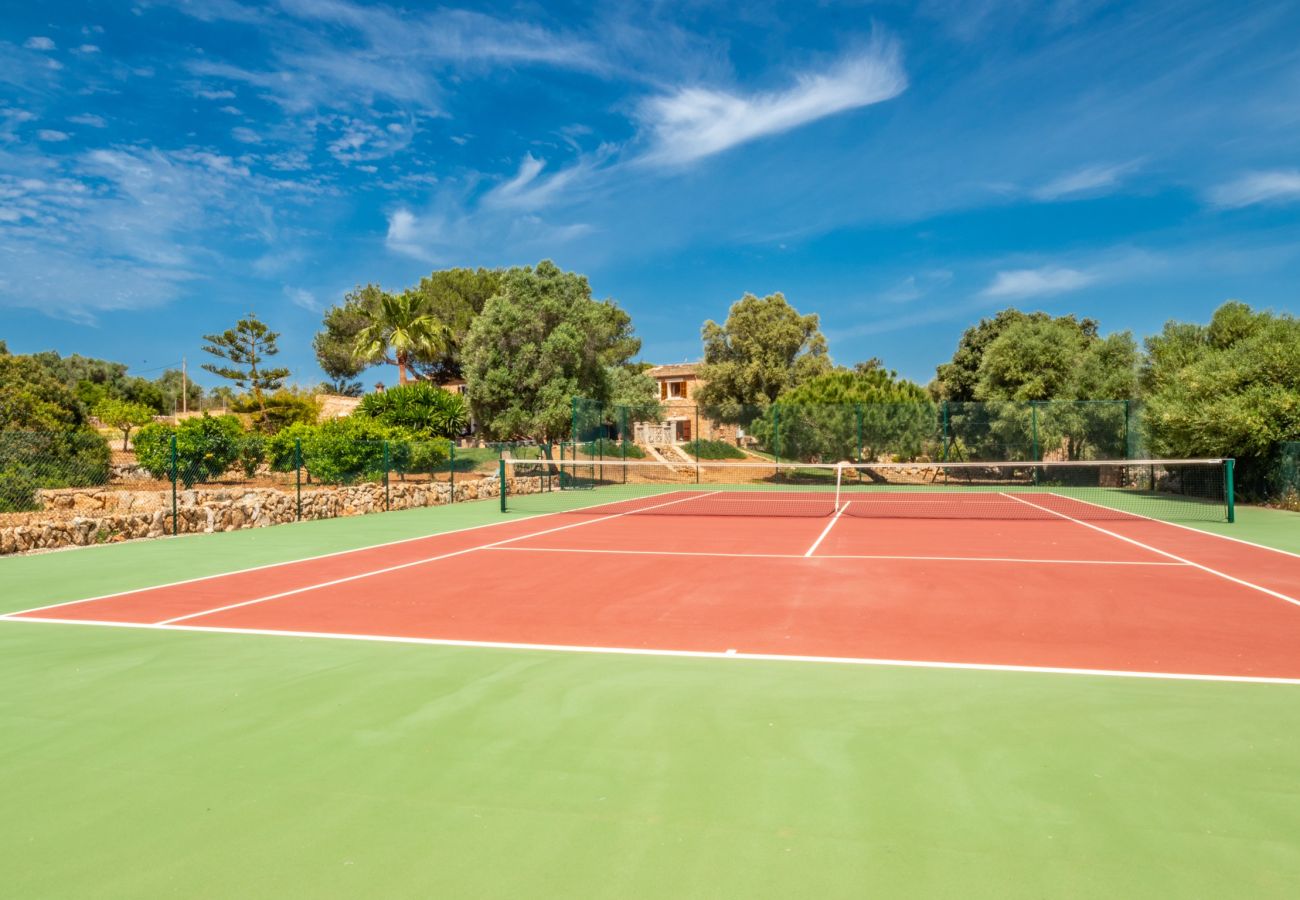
(400, 329)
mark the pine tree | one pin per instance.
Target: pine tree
(246, 347)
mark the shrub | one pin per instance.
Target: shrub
(206, 448)
(612, 449)
(252, 453)
(421, 408)
(702, 449)
(360, 448)
(48, 459)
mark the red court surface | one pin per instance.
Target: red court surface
(1129, 596)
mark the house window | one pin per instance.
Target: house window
(672, 390)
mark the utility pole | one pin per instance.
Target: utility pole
(185, 389)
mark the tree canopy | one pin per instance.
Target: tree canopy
(846, 414)
(541, 341)
(246, 347)
(764, 347)
(1229, 388)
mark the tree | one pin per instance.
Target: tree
(1230, 388)
(454, 297)
(541, 341)
(857, 414)
(632, 390)
(398, 331)
(997, 387)
(171, 384)
(124, 416)
(765, 347)
(44, 441)
(246, 347)
(336, 343)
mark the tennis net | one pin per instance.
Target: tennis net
(1174, 490)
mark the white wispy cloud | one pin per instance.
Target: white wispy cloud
(122, 228)
(209, 94)
(245, 135)
(52, 135)
(529, 189)
(1278, 186)
(1095, 179)
(86, 48)
(302, 298)
(38, 43)
(695, 122)
(914, 287)
(1045, 281)
(88, 119)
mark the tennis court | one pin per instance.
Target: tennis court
(951, 574)
(633, 681)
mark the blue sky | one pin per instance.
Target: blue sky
(899, 168)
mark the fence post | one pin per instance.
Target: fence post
(1033, 417)
(297, 470)
(501, 481)
(451, 473)
(1128, 447)
(622, 438)
(1229, 488)
(944, 407)
(696, 454)
(174, 476)
(776, 436)
(857, 413)
(386, 463)
(573, 414)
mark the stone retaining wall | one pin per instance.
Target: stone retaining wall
(85, 516)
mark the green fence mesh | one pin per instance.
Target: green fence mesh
(904, 432)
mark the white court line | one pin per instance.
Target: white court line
(827, 530)
(729, 654)
(883, 556)
(1173, 556)
(1193, 529)
(418, 562)
(290, 562)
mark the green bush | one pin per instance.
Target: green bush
(604, 447)
(206, 448)
(702, 449)
(421, 408)
(360, 448)
(31, 460)
(252, 453)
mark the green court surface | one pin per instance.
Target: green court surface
(140, 763)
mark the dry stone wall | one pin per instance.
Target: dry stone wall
(78, 517)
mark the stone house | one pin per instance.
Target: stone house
(682, 419)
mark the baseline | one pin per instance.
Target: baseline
(690, 654)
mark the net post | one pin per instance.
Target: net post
(386, 466)
(501, 481)
(297, 474)
(1229, 488)
(174, 474)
